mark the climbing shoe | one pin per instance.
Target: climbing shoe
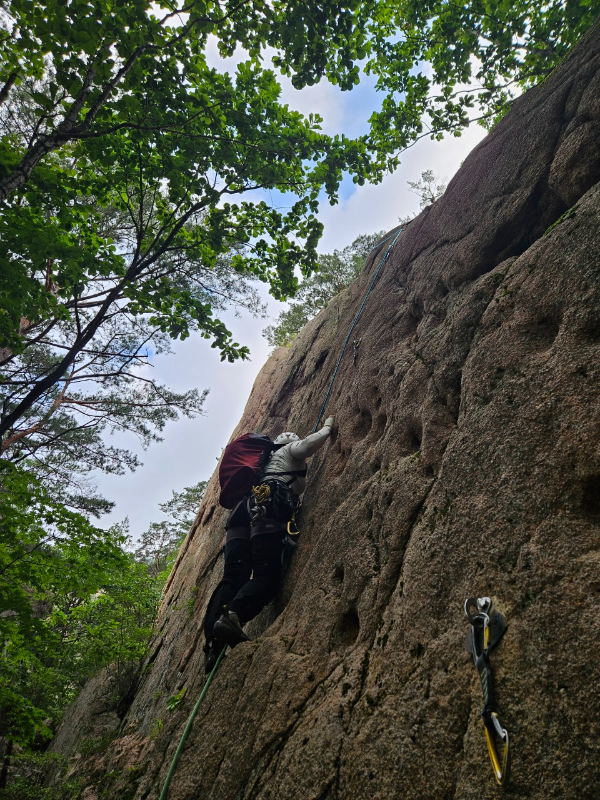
(211, 655)
(227, 630)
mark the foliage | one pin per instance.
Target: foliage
(123, 185)
(183, 506)
(28, 774)
(428, 188)
(60, 438)
(336, 270)
(157, 727)
(176, 700)
(72, 601)
(159, 543)
(133, 186)
(437, 61)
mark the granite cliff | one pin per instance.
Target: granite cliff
(466, 461)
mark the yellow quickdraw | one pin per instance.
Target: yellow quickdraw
(500, 771)
(487, 628)
(292, 522)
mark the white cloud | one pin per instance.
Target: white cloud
(323, 99)
(373, 208)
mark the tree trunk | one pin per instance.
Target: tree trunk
(6, 765)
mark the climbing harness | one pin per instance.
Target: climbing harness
(272, 500)
(487, 628)
(188, 727)
(357, 317)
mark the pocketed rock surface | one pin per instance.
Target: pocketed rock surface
(466, 461)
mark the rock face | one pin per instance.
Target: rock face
(466, 462)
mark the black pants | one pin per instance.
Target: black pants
(259, 557)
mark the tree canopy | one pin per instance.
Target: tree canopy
(72, 600)
(437, 61)
(133, 173)
(160, 541)
(125, 160)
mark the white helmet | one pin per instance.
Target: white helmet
(286, 438)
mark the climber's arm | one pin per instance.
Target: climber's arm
(306, 447)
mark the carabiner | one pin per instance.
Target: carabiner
(501, 769)
(482, 604)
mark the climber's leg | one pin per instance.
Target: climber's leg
(237, 570)
(254, 595)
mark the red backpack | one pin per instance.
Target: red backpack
(240, 468)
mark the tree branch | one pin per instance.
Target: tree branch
(6, 443)
(5, 91)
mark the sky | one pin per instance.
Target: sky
(191, 448)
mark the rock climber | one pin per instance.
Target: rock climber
(254, 542)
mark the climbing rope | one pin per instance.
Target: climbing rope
(357, 317)
(261, 493)
(487, 628)
(188, 727)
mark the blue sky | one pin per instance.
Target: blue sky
(191, 448)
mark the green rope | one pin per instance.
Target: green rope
(190, 722)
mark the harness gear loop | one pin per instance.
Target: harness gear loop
(487, 628)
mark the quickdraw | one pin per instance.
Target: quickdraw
(487, 628)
